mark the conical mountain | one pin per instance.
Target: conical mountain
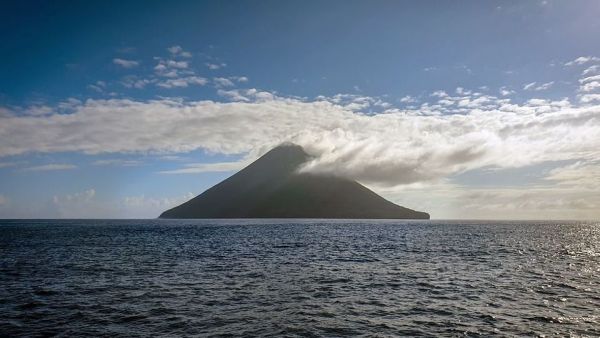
(271, 187)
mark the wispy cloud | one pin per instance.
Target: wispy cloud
(117, 162)
(51, 167)
(125, 63)
(98, 86)
(8, 164)
(133, 81)
(595, 69)
(215, 66)
(197, 168)
(582, 60)
(538, 87)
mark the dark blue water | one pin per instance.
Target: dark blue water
(299, 278)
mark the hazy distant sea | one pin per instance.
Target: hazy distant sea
(298, 278)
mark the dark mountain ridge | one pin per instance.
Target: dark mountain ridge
(271, 187)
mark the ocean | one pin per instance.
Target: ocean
(309, 278)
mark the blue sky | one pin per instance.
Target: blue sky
(470, 109)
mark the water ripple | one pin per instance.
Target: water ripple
(302, 278)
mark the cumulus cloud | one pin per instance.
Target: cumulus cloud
(408, 99)
(125, 63)
(172, 72)
(179, 51)
(589, 98)
(51, 167)
(223, 82)
(506, 92)
(172, 68)
(590, 86)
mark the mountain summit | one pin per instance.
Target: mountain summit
(271, 187)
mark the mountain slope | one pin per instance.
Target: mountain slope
(270, 187)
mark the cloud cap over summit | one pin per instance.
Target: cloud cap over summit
(273, 187)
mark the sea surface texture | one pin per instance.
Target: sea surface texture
(298, 278)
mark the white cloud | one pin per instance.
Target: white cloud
(125, 63)
(233, 95)
(172, 68)
(590, 86)
(177, 64)
(582, 60)
(51, 167)
(448, 200)
(462, 91)
(136, 82)
(197, 168)
(426, 143)
(506, 92)
(215, 66)
(545, 86)
(183, 82)
(239, 78)
(117, 162)
(590, 78)
(5, 112)
(408, 99)
(175, 49)
(38, 110)
(3, 200)
(222, 82)
(595, 69)
(98, 86)
(542, 86)
(178, 51)
(8, 164)
(581, 175)
(439, 93)
(589, 98)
